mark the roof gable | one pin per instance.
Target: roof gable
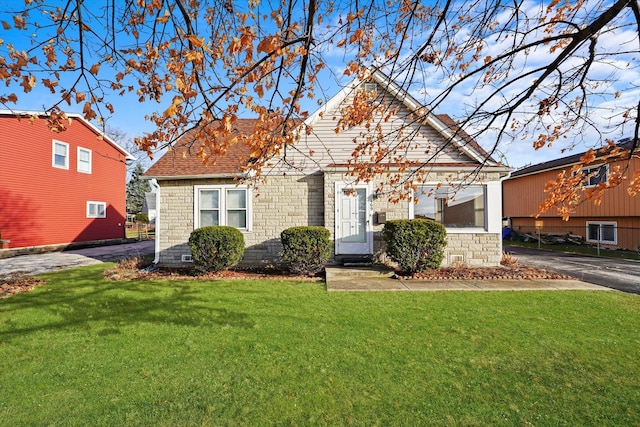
(437, 137)
(443, 125)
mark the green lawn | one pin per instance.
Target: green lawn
(84, 351)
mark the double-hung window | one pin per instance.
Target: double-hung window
(60, 154)
(84, 160)
(464, 208)
(96, 209)
(222, 205)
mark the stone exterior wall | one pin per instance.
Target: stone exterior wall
(473, 249)
(287, 201)
(282, 202)
(468, 249)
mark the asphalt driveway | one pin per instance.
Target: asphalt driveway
(51, 261)
(620, 274)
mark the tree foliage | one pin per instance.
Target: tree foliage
(136, 189)
(539, 71)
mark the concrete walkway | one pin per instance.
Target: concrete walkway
(376, 279)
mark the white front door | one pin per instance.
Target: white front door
(353, 225)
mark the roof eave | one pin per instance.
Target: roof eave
(127, 155)
(204, 176)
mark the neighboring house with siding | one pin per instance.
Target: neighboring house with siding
(149, 206)
(59, 188)
(613, 223)
(319, 192)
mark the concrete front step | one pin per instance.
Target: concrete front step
(340, 272)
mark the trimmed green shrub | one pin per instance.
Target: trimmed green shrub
(215, 248)
(306, 249)
(416, 245)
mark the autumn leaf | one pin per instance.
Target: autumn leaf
(94, 69)
(6, 25)
(28, 83)
(173, 109)
(268, 45)
(88, 112)
(19, 22)
(259, 90)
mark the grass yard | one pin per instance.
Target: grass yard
(84, 351)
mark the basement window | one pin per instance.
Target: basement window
(603, 232)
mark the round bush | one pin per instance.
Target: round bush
(215, 248)
(306, 249)
(416, 245)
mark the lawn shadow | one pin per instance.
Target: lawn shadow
(85, 301)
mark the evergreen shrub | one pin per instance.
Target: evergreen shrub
(416, 245)
(216, 248)
(306, 249)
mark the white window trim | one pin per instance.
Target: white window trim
(607, 242)
(586, 172)
(222, 208)
(53, 155)
(492, 209)
(92, 202)
(370, 87)
(80, 149)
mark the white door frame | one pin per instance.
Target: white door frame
(342, 248)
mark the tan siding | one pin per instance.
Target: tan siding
(324, 146)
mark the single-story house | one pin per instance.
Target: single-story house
(317, 189)
(614, 223)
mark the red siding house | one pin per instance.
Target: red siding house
(59, 188)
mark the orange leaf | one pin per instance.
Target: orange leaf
(6, 25)
(19, 22)
(268, 44)
(94, 69)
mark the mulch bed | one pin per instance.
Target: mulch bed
(516, 272)
(14, 285)
(119, 272)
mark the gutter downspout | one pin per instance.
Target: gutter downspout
(156, 259)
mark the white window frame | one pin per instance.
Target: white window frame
(222, 205)
(96, 210)
(606, 242)
(492, 209)
(53, 154)
(591, 169)
(370, 87)
(89, 168)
